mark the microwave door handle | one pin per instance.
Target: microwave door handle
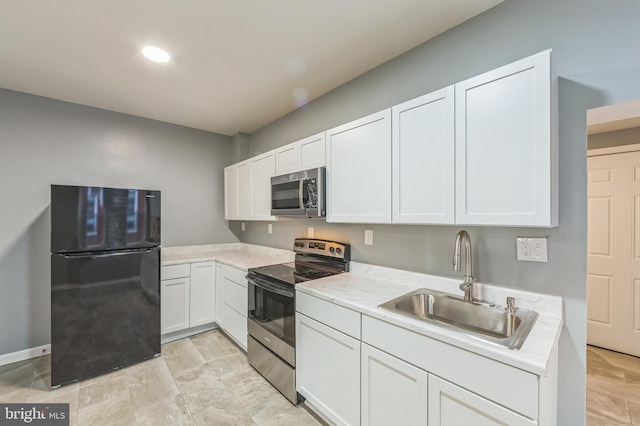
(301, 194)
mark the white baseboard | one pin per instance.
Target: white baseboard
(12, 357)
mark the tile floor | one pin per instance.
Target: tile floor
(613, 388)
(202, 380)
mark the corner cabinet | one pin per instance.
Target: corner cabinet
(359, 170)
(423, 159)
(247, 188)
(506, 146)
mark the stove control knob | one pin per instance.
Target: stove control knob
(339, 251)
(332, 250)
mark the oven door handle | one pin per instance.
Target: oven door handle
(273, 288)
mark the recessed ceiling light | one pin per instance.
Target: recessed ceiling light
(156, 54)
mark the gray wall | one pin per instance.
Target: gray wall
(614, 138)
(43, 141)
(595, 52)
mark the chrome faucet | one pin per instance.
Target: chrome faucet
(467, 285)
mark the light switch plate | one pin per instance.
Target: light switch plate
(243, 227)
(270, 228)
(531, 249)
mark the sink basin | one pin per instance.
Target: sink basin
(491, 323)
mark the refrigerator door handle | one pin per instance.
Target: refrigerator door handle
(105, 253)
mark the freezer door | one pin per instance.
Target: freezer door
(87, 218)
(105, 312)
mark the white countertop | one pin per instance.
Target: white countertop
(239, 255)
(367, 286)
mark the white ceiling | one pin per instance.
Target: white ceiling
(235, 63)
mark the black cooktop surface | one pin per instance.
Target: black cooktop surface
(289, 273)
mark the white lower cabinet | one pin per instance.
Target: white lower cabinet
(355, 369)
(174, 304)
(231, 302)
(202, 294)
(393, 391)
(451, 405)
(328, 370)
(187, 296)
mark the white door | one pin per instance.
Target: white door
(393, 391)
(613, 252)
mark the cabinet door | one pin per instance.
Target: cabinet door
(175, 304)
(287, 159)
(423, 159)
(244, 190)
(263, 167)
(203, 293)
(359, 170)
(311, 152)
(231, 192)
(328, 370)
(393, 392)
(506, 147)
(450, 405)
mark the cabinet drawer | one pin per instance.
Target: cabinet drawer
(335, 316)
(233, 274)
(506, 385)
(234, 296)
(170, 272)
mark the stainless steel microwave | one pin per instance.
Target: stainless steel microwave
(299, 194)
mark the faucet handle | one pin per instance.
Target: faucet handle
(511, 305)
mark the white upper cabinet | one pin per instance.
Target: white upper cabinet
(244, 190)
(359, 170)
(247, 188)
(287, 159)
(263, 168)
(423, 159)
(311, 152)
(307, 153)
(506, 146)
(231, 192)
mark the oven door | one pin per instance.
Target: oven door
(272, 307)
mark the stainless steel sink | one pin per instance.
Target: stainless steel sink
(492, 323)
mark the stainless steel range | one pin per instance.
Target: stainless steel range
(271, 322)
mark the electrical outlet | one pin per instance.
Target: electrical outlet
(368, 237)
(310, 232)
(244, 228)
(531, 249)
(270, 228)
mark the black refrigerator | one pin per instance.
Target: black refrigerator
(105, 280)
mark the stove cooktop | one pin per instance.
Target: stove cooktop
(289, 274)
